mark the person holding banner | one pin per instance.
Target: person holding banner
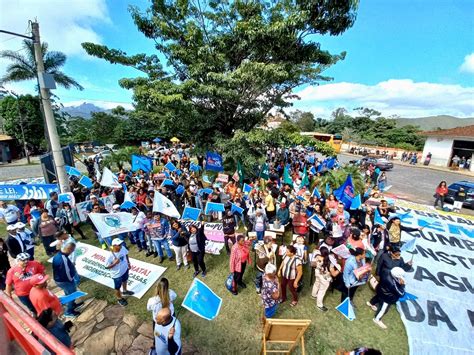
(119, 264)
(395, 229)
(197, 246)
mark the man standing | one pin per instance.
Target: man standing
(8, 213)
(19, 277)
(15, 244)
(265, 255)
(52, 204)
(167, 334)
(119, 264)
(65, 275)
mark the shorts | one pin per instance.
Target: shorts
(119, 280)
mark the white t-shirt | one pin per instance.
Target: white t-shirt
(9, 213)
(154, 304)
(122, 267)
(161, 336)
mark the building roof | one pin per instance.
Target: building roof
(5, 137)
(466, 131)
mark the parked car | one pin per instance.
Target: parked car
(468, 187)
(381, 163)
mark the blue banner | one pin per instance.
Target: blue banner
(202, 301)
(345, 193)
(71, 171)
(214, 207)
(27, 191)
(86, 182)
(170, 166)
(140, 162)
(191, 213)
(214, 162)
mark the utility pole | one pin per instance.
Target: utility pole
(48, 114)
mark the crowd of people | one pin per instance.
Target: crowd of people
(320, 227)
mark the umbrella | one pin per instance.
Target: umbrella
(157, 140)
(174, 140)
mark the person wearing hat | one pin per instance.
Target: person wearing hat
(47, 305)
(10, 214)
(15, 244)
(18, 278)
(119, 265)
(65, 274)
(265, 254)
(27, 237)
(270, 291)
(389, 291)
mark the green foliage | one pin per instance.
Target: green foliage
(335, 178)
(119, 158)
(28, 107)
(304, 120)
(228, 63)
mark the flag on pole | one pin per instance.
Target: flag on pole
(345, 193)
(86, 181)
(356, 203)
(98, 175)
(330, 163)
(214, 162)
(170, 166)
(109, 224)
(409, 246)
(163, 205)
(378, 218)
(109, 179)
(205, 178)
(346, 309)
(191, 213)
(286, 177)
(316, 193)
(141, 162)
(312, 170)
(72, 171)
(265, 172)
(304, 178)
(240, 172)
(202, 301)
(237, 209)
(213, 207)
(247, 189)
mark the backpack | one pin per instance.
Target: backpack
(229, 282)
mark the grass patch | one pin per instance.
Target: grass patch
(237, 329)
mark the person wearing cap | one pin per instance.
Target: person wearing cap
(27, 237)
(389, 291)
(10, 214)
(45, 302)
(18, 278)
(14, 243)
(270, 291)
(265, 254)
(119, 265)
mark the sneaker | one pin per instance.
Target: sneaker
(187, 267)
(178, 267)
(322, 309)
(195, 273)
(79, 306)
(128, 293)
(123, 302)
(203, 274)
(161, 260)
(374, 308)
(380, 323)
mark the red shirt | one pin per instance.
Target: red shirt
(42, 299)
(442, 190)
(21, 278)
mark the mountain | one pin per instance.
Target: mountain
(83, 110)
(433, 122)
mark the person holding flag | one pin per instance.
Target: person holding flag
(395, 229)
(119, 265)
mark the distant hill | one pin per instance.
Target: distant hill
(84, 110)
(433, 122)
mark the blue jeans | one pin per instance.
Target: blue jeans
(258, 279)
(26, 301)
(60, 333)
(68, 288)
(158, 243)
(138, 236)
(260, 235)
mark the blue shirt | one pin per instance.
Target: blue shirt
(351, 264)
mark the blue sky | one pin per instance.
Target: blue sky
(404, 57)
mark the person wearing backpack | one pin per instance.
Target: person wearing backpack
(290, 272)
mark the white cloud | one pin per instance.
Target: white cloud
(468, 64)
(402, 97)
(63, 24)
(108, 105)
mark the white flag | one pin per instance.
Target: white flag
(163, 205)
(109, 179)
(109, 224)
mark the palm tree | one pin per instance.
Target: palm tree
(23, 66)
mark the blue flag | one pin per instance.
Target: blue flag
(330, 163)
(407, 297)
(214, 207)
(346, 309)
(206, 179)
(237, 209)
(205, 191)
(378, 218)
(214, 162)
(170, 166)
(167, 182)
(202, 301)
(246, 189)
(71, 171)
(86, 182)
(67, 197)
(178, 172)
(317, 222)
(191, 213)
(312, 170)
(409, 246)
(356, 203)
(316, 193)
(157, 140)
(71, 297)
(345, 193)
(180, 189)
(140, 162)
(194, 167)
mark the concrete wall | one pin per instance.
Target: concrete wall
(440, 148)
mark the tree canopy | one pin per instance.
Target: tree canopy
(223, 65)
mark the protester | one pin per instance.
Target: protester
(9, 214)
(324, 271)
(18, 278)
(239, 258)
(138, 236)
(159, 230)
(163, 298)
(52, 205)
(290, 272)
(48, 308)
(167, 333)
(283, 215)
(395, 229)
(70, 219)
(260, 223)
(179, 239)
(26, 237)
(14, 243)
(228, 225)
(390, 259)
(197, 246)
(270, 291)
(47, 229)
(119, 264)
(352, 281)
(265, 255)
(4, 264)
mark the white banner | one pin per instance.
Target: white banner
(441, 320)
(81, 207)
(90, 263)
(110, 224)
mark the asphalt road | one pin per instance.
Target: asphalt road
(416, 184)
(12, 172)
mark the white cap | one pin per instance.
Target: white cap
(398, 273)
(11, 227)
(117, 241)
(19, 225)
(92, 196)
(116, 206)
(23, 256)
(270, 268)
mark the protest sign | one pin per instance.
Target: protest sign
(440, 320)
(90, 263)
(202, 301)
(27, 191)
(214, 232)
(214, 248)
(222, 178)
(341, 251)
(214, 162)
(81, 207)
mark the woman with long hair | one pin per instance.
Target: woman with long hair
(440, 194)
(324, 271)
(163, 298)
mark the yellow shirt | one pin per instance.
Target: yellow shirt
(269, 203)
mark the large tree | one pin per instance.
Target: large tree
(227, 62)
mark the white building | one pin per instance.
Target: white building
(444, 144)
